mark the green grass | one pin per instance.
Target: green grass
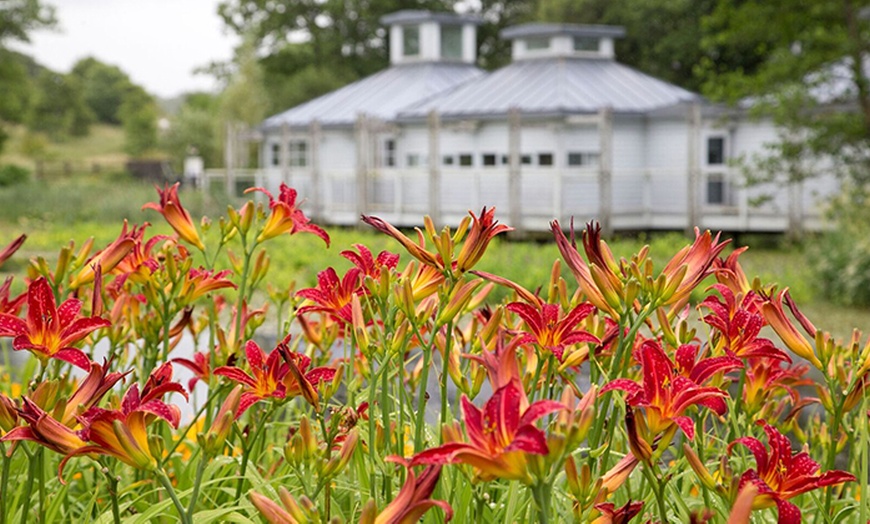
(104, 145)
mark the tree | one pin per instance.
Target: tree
(803, 66)
(139, 114)
(194, 127)
(58, 108)
(17, 19)
(104, 87)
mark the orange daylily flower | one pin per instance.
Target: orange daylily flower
(49, 331)
(583, 273)
(415, 249)
(175, 214)
(779, 475)
(199, 282)
(285, 216)
(610, 514)
(500, 436)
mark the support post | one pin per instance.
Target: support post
(362, 167)
(316, 203)
(230, 159)
(514, 170)
(434, 166)
(284, 153)
(605, 171)
(693, 214)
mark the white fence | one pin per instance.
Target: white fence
(646, 200)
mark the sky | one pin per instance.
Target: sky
(158, 43)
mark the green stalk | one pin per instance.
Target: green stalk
(243, 285)
(445, 360)
(113, 493)
(200, 470)
(421, 396)
(542, 500)
(167, 485)
(658, 489)
(865, 461)
(28, 487)
(4, 482)
(248, 448)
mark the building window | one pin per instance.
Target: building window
(298, 151)
(717, 189)
(448, 160)
(390, 153)
(276, 154)
(489, 159)
(582, 159)
(715, 150)
(411, 40)
(526, 160)
(466, 160)
(414, 160)
(585, 43)
(451, 42)
(537, 43)
(545, 159)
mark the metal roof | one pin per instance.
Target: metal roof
(382, 94)
(533, 30)
(554, 86)
(414, 16)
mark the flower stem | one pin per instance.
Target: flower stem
(28, 487)
(421, 398)
(4, 481)
(200, 470)
(113, 493)
(541, 494)
(167, 485)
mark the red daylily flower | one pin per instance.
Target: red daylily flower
(610, 514)
(333, 296)
(664, 394)
(8, 304)
(45, 430)
(199, 366)
(550, 329)
(266, 380)
(107, 259)
(583, 272)
(779, 475)
(500, 435)
(50, 331)
(765, 377)
(270, 375)
(483, 229)
(730, 273)
(738, 325)
(200, 282)
(412, 501)
(175, 214)
(301, 381)
(11, 248)
(367, 264)
(775, 315)
(415, 249)
(692, 264)
(98, 382)
(122, 433)
(285, 216)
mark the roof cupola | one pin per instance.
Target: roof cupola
(562, 40)
(424, 36)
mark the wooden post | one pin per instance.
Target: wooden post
(514, 170)
(795, 210)
(314, 132)
(434, 166)
(605, 171)
(229, 159)
(694, 167)
(284, 153)
(362, 150)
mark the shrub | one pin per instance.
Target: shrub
(11, 174)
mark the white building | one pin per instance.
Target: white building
(564, 131)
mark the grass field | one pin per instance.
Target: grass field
(55, 212)
(104, 145)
